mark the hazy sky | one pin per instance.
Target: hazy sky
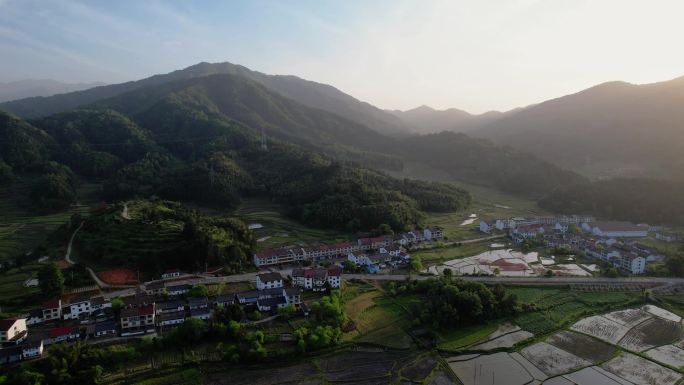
(475, 55)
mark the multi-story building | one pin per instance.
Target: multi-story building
(52, 310)
(269, 281)
(137, 320)
(12, 330)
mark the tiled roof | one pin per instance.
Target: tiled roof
(270, 277)
(60, 331)
(5, 324)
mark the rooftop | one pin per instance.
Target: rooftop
(270, 277)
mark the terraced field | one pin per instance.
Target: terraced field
(21, 229)
(276, 229)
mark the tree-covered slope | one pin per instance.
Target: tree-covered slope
(613, 129)
(308, 93)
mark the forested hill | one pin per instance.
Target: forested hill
(183, 148)
(473, 160)
(308, 93)
(610, 130)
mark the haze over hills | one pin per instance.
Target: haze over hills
(174, 126)
(27, 88)
(427, 120)
(306, 92)
(613, 129)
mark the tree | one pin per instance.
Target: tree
(447, 272)
(415, 264)
(51, 280)
(675, 265)
(198, 291)
(117, 304)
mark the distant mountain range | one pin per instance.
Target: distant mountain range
(427, 120)
(613, 129)
(167, 133)
(308, 93)
(27, 88)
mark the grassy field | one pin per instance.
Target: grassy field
(14, 296)
(278, 229)
(379, 320)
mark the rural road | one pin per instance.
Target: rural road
(250, 277)
(67, 257)
(98, 281)
(124, 212)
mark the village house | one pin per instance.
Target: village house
(196, 303)
(225, 299)
(11, 355)
(171, 318)
(32, 348)
(52, 310)
(203, 314)
(76, 307)
(170, 306)
(104, 329)
(268, 304)
(269, 281)
(247, 297)
(616, 229)
(293, 295)
(172, 273)
(12, 331)
(137, 320)
(60, 334)
(155, 288)
(35, 317)
(316, 278)
(178, 289)
(99, 302)
(665, 237)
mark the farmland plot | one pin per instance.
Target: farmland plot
(492, 369)
(669, 355)
(601, 328)
(551, 360)
(558, 381)
(654, 332)
(662, 313)
(504, 341)
(641, 371)
(582, 346)
(595, 376)
(629, 317)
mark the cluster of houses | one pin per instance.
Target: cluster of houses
(606, 241)
(296, 254)
(160, 305)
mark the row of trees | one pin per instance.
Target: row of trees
(447, 302)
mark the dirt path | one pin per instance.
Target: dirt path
(124, 212)
(67, 257)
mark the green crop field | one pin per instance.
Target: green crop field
(553, 309)
(278, 229)
(462, 337)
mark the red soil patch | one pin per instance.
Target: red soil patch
(119, 277)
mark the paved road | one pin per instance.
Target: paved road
(250, 277)
(530, 280)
